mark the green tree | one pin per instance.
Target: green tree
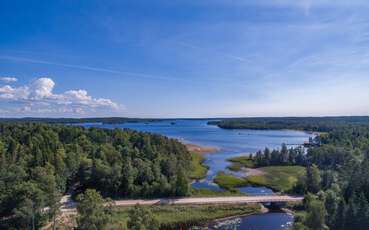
(128, 177)
(298, 226)
(313, 179)
(284, 155)
(31, 201)
(182, 184)
(141, 218)
(328, 177)
(267, 156)
(44, 177)
(94, 213)
(332, 201)
(340, 219)
(357, 212)
(315, 218)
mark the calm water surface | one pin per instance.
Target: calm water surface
(267, 221)
(229, 143)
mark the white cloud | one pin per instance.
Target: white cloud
(38, 98)
(8, 79)
(41, 88)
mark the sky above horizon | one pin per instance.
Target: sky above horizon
(199, 58)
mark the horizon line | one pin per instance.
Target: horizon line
(179, 118)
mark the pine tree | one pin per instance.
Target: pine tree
(94, 214)
(315, 218)
(313, 179)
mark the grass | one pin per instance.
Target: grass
(241, 161)
(228, 181)
(279, 178)
(199, 170)
(182, 216)
(236, 167)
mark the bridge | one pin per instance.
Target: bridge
(213, 200)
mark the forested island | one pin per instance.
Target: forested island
(104, 120)
(318, 124)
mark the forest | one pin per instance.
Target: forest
(40, 162)
(104, 120)
(336, 185)
(318, 124)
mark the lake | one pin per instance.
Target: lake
(229, 143)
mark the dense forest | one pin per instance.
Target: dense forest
(320, 124)
(39, 162)
(336, 185)
(105, 120)
(337, 181)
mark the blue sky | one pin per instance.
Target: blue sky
(167, 58)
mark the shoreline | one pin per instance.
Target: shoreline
(200, 149)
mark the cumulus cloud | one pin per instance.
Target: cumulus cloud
(8, 79)
(38, 98)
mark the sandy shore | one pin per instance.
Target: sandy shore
(200, 149)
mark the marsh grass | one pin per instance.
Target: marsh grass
(279, 178)
(199, 170)
(183, 216)
(242, 161)
(228, 181)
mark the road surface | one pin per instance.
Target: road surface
(69, 206)
(211, 200)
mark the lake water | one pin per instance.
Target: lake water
(267, 221)
(229, 143)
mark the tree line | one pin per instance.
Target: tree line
(105, 120)
(318, 124)
(282, 156)
(40, 162)
(336, 184)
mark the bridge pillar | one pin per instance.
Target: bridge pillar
(275, 205)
